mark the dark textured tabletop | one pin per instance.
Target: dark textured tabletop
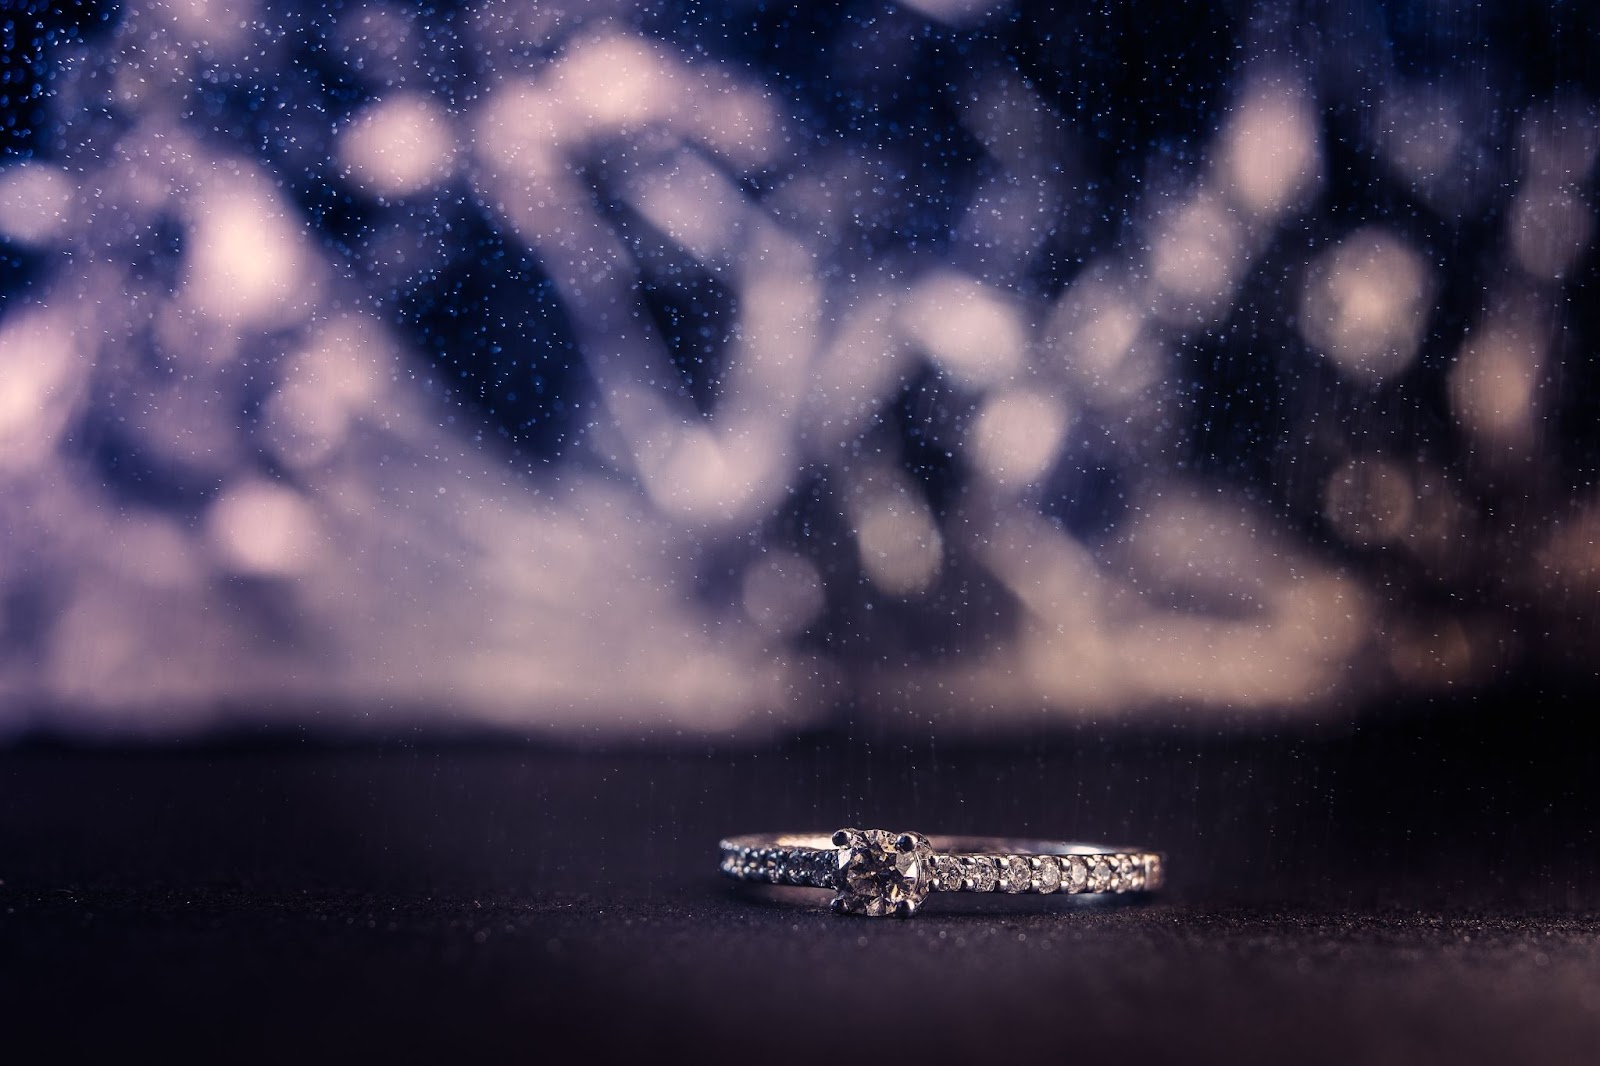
(1423, 888)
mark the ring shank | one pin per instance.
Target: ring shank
(939, 842)
(959, 863)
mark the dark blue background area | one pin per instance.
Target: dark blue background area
(1140, 89)
(1137, 96)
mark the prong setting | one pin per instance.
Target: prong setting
(882, 872)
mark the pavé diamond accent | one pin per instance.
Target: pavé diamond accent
(1047, 873)
(947, 873)
(1074, 873)
(981, 873)
(825, 869)
(1101, 875)
(1130, 875)
(1015, 874)
(881, 872)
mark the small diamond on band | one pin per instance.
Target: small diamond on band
(980, 871)
(1015, 874)
(1101, 875)
(1047, 873)
(1074, 873)
(947, 873)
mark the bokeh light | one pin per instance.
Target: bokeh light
(607, 367)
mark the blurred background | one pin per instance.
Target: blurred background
(658, 370)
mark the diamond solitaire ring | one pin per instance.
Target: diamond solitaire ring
(884, 872)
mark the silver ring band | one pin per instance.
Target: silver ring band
(877, 871)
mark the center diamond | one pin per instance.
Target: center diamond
(881, 872)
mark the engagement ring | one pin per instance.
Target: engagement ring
(881, 872)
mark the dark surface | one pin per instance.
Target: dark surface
(1423, 891)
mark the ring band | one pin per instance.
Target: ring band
(882, 872)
